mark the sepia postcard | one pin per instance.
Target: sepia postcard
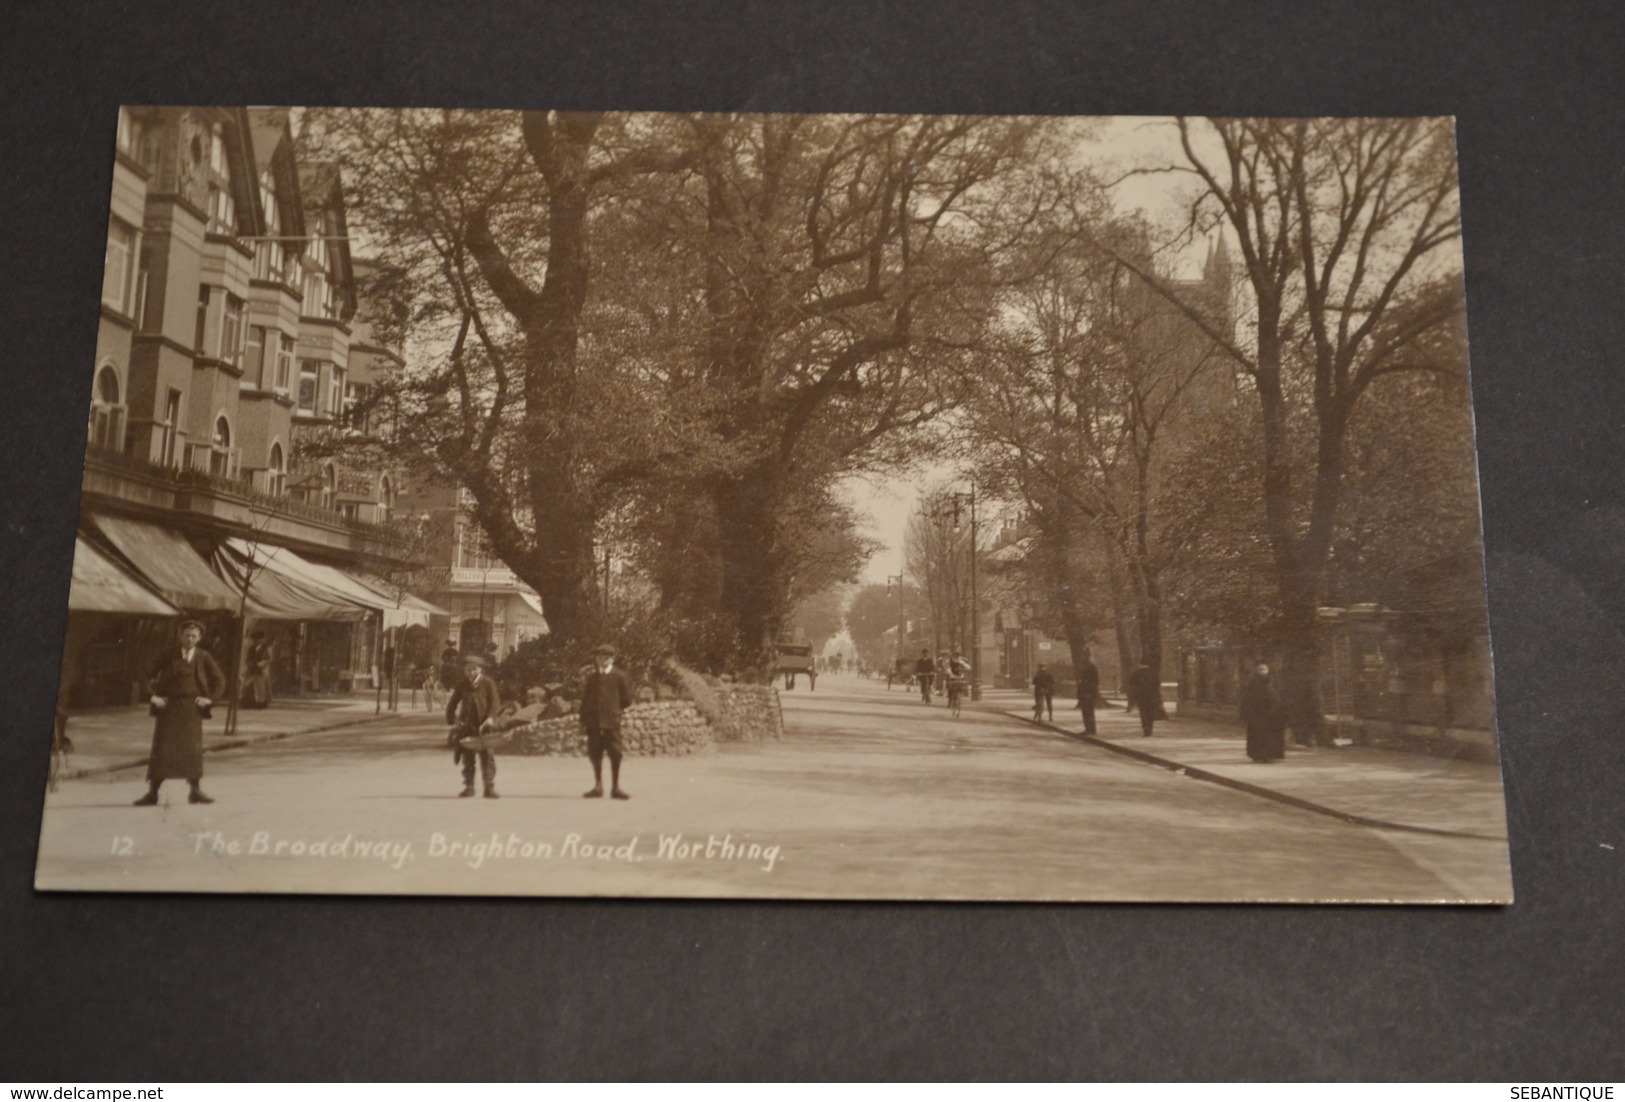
(778, 506)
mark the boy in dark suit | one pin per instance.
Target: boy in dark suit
(471, 712)
(606, 693)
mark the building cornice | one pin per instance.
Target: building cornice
(118, 317)
(167, 342)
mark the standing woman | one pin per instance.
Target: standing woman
(257, 686)
(183, 683)
(1261, 711)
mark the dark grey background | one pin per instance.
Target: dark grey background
(133, 988)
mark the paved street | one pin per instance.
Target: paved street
(870, 795)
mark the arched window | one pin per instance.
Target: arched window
(386, 499)
(107, 411)
(220, 449)
(276, 475)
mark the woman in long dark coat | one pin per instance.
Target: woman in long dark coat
(257, 685)
(183, 683)
(1261, 711)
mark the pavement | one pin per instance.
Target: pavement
(870, 795)
(109, 739)
(1370, 786)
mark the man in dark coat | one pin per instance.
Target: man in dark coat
(606, 693)
(1088, 690)
(925, 672)
(1261, 711)
(472, 712)
(1043, 693)
(182, 684)
(1145, 695)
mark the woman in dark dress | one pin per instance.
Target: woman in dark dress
(183, 683)
(257, 685)
(1261, 711)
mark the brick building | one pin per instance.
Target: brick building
(230, 347)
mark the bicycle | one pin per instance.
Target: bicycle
(956, 694)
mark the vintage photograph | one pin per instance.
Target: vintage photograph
(905, 507)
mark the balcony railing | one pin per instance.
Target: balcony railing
(239, 488)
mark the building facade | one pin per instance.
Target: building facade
(230, 349)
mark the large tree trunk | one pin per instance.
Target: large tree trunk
(753, 598)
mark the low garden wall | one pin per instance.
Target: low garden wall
(731, 713)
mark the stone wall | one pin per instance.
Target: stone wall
(647, 730)
(744, 713)
(751, 713)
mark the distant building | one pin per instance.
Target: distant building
(491, 610)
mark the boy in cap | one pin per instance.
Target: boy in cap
(472, 711)
(606, 693)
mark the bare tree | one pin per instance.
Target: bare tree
(1347, 232)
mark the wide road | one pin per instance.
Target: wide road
(870, 795)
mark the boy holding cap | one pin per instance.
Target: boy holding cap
(472, 711)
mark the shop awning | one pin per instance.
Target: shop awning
(276, 589)
(101, 585)
(534, 603)
(167, 563)
(401, 609)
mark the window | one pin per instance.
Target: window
(276, 477)
(217, 149)
(284, 362)
(220, 448)
(335, 395)
(222, 211)
(143, 270)
(254, 364)
(202, 319)
(172, 426)
(386, 500)
(355, 405)
(309, 376)
(232, 331)
(118, 273)
(129, 132)
(107, 412)
(317, 296)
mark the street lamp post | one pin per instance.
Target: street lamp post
(897, 580)
(968, 498)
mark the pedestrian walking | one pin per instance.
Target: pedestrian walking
(925, 672)
(1264, 716)
(1145, 694)
(471, 712)
(1043, 693)
(257, 674)
(605, 695)
(1088, 691)
(182, 686)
